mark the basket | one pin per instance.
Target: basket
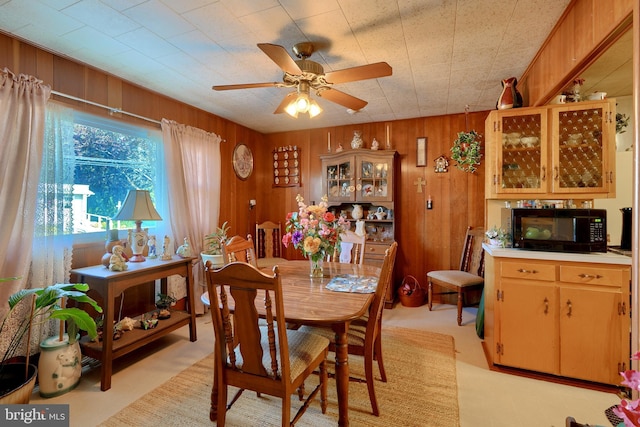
(410, 292)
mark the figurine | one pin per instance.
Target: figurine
(152, 247)
(357, 141)
(184, 251)
(117, 261)
(375, 144)
(166, 250)
(340, 148)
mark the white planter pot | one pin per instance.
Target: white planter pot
(59, 367)
(216, 260)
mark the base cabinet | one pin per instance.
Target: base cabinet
(562, 318)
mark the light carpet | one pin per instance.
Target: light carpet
(421, 391)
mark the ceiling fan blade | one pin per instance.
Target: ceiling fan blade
(279, 55)
(287, 99)
(343, 99)
(244, 86)
(363, 72)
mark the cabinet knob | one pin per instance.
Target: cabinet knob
(522, 270)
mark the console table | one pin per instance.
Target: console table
(110, 284)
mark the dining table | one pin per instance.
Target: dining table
(342, 295)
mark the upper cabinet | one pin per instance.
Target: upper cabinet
(542, 152)
(358, 176)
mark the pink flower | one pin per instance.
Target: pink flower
(631, 379)
(286, 239)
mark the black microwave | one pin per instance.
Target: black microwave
(560, 230)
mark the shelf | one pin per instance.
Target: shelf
(138, 337)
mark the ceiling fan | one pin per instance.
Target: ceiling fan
(305, 75)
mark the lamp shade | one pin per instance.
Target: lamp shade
(137, 207)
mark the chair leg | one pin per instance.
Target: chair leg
(368, 371)
(430, 294)
(460, 296)
(286, 411)
(324, 378)
(378, 354)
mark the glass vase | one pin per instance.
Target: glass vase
(316, 268)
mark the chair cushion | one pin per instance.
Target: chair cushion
(355, 336)
(304, 347)
(456, 278)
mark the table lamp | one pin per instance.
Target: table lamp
(138, 207)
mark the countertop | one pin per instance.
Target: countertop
(595, 258)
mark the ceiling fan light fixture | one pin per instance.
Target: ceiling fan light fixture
(302, 103)
(314, 109)
(291, 109)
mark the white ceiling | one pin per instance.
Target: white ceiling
(445, 54)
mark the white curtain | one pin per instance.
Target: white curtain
(193, 167)
(22, 116)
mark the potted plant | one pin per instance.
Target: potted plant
(163, 303)
(466, 151)
(213, 245)
(498, 237)
(35, 306)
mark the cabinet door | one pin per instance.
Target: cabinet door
(339, 179)
(593, 322)
(581, 148)
(528, 335)
(375, 179)
(521, 148)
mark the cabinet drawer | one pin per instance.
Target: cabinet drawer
(593, 275)
(375, 250)
(528, 271)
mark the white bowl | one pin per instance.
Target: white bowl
(529, 141)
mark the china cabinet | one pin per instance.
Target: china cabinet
(568, 319)
(364, 178)
(553, 150)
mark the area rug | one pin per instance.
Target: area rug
(421, 391)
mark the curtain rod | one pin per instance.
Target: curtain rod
(112, 110)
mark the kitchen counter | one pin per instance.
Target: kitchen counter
(594, 258)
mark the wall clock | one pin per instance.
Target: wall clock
(242, 161)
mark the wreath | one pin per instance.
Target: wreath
(466, 151)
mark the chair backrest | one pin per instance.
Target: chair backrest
(472, 259)
(268, 240)
(239, 249)
(238, 341)
(386, 275)
(352, 242)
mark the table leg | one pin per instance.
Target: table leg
(342, 372)
(107, 340)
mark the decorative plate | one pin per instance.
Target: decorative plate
(242, 161)
(367, 190)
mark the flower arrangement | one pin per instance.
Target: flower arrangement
(629, 411)
(313, 229)
(498, 237)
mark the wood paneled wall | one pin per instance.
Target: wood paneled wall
(428, 239)
(584, 31)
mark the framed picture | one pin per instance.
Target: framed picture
(421, 151)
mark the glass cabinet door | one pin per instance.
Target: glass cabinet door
(580, 162)
(374, 181)
(339, 179)
(521, 139)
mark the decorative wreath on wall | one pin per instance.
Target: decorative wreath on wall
(466, 151)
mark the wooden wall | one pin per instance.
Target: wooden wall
(583, 32)
(428, 239)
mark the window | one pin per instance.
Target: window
(88, 172)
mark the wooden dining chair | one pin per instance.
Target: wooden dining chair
(469, 276)
(238, 248)
(269, 244)
(352, 247)
(364, 335)
(272, 359)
